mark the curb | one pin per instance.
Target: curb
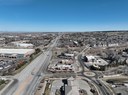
(8, 87)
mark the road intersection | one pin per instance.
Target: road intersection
(29, 78)
(28, 81)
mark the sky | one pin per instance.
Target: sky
(63, 15)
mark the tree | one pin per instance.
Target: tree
(37, 50)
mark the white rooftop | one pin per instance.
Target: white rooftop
(90, 57)
(2, 38)
(97, 60)
(15, 51)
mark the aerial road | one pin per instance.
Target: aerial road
(100, 86)
(28, 78)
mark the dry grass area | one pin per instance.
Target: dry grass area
(3, 83)
(19, 70)
(47, 89)
(26, 64)
(39, 89)
(57, 51)
(116, 78)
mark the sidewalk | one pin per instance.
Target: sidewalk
(8, 86)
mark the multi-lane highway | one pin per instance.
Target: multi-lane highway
(29, 77)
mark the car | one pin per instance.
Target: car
(100, 84)
(92, 90)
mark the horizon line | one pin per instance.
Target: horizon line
(64, 31)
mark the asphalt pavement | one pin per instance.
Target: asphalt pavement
(29, 77)
(100, 86)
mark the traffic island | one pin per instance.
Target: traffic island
(7, 85)
(89, 74)
(3, 83)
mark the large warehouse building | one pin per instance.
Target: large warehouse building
(16, 53)
(22, 44)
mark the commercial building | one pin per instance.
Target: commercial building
(22, 44)
(95, 61)
(72, 87)
(67, 56)
(66, 61)
(61, 67)
(16, 53)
